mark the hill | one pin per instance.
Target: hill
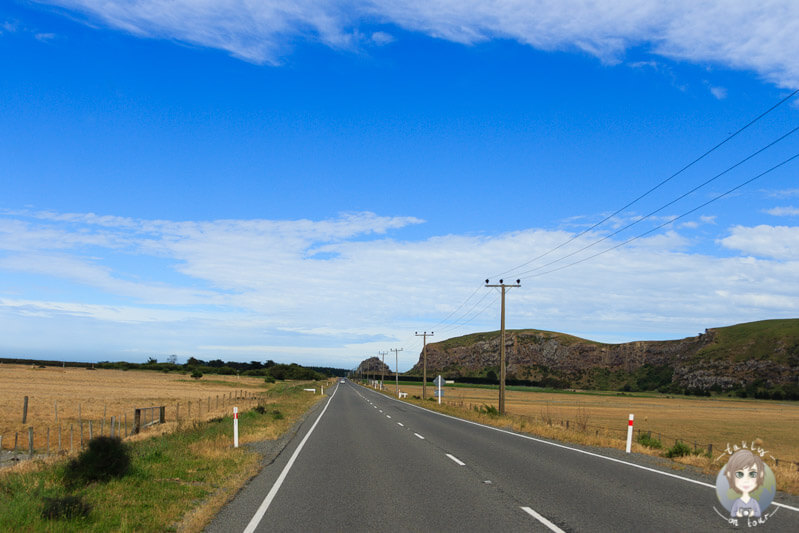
(758, 359)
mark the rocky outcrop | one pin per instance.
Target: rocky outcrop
(373, 365)
(533, 355)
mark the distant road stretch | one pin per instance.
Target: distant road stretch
(366, 462)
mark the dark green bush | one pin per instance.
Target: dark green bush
(645, 439)
(106, 458)
(196, 374)
(679, 449)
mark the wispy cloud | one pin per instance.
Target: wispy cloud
(232, 287)
(743, 35)
(786, 211)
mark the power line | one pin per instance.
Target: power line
(683, 169)
(661, 208)
(671, 221)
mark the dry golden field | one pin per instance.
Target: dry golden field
(59, 396)
(702, 420)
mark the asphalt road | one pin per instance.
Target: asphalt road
(366, 462)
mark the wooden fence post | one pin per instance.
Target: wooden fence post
(136, 421)
(30, 441)
(177, 413)
(1, 443)
(59, 438)
(162, 414)
(16, 437)
(126, 424)
(48, 441)
(25, 410)
(91, 430)
(112, 428)
(55, 410)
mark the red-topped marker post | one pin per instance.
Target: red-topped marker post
(235, 427)
(630, 432)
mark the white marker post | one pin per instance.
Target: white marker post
(630, 432)
(235, 427)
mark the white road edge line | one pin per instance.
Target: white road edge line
(543, 520)
(259, 514)
(419, 436)
(578, 450)
(457, 461)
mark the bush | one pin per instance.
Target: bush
(487, 410)
(269, 379)
(260, 409)
(645, 439)
(65, 507)
(105, 459)
(679, 449)
(196, 374)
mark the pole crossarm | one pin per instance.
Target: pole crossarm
(504, 286)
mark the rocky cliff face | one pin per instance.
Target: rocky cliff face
(533, 355)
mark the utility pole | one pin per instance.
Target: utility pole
(424, 365)
(396, 368)
(383, 369)
(503, 286)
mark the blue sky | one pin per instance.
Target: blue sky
(315, 181)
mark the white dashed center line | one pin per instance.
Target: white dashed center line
(419, 436)
(457, 461)
(400, 424)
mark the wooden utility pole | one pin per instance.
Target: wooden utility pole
(424, 364)
(383, 369)
(396, 367)
(503, 286)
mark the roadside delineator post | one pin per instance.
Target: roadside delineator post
(235, 427)
(630, 432)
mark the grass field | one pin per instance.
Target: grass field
(97, 394)
(601, 419)
(180, 474)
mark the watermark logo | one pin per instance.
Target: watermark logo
(745, 486)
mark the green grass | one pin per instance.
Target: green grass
(169, 476)
(777, 340)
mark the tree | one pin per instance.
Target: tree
(172, 359)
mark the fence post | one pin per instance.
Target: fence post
(112, 428)
(162, 414)
(177, 413)
(30, 441)
(48, 441)
(91, 430)
(710, 449)
(126, 424)
(16, 436)
(71, 443)
(59, 438)
(1, 443)
(136, 421)
(55, 409)
(25, 410)
(189, 416)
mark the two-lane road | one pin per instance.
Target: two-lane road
(368, 462)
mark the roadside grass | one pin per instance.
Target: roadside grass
(177, 480)
(539, 415)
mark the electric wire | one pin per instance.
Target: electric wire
(651, 190)
(664, 206)
(671, 221)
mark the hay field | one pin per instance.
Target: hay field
(703, 420)
(91, 394)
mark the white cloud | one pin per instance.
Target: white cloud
(786, 211)
(382, 38)
(777, 242)
(720, 93)
(761, 36)
(237, 288)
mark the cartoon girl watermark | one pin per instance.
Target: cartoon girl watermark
(746, 487)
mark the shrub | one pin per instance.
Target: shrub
(487, 410)
(679, 449)
(277, 415)
(65, 507)
(260, 409)
(646, 439)
(269, 379)
(105, 458)
(196, 374)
